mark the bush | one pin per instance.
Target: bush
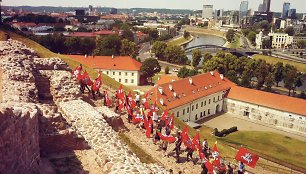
(225, 132)
(167, 70)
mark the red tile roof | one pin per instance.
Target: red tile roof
(166, 79)
(105, 32)
(81, 34)
(202, 85)
(107, 62)
(267, 99)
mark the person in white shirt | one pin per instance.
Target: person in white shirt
(155, 117)
(137, 99)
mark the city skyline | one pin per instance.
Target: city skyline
(276, 5)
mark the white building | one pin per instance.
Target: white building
(204, 95)
(259, 40)
(123, 69)
(281, 40)
(207, 12)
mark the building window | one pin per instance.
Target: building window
(208, 112)
(178, 113)
(113, 73)
(132, 74)
(192, 107)
(196, 117)
(201, 114)
(107, 72)
(204, 113)
(126, 80)
(218, 98)
(214, 99)
(196, 106)
(205, 103)
(132, 80)
(119, 73)
(183, 111)
(209, 101)
(188, 110)
(120, 80)
(126, 74)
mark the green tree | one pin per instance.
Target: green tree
(246, 79)
(289, 76)
(185, 72)
(88, 45)
(159, 49)
(269, 82)
(108, 45)
(207, 56)
(278, 72)
(302, 95)
(266, 44)
(127, 34)
(72, 44)
(301, 44)
(230, 35)
(175, 54)
(167, 69)
(265, 26)
(186, 34)
(150, 67)
(261, 72)
(196, 57)
(252, 36)
(245, 32)
(290, 31)
(232, 76)
(298, 81)
(129, 48)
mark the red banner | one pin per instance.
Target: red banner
(247, 157)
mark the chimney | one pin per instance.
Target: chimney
(172, 80)
(160, 89)
(174, 94)
(113, 56)
(161, 101)
(212, 73)
(158, 78)
(170, 87)
(221, 76)
(190, 81)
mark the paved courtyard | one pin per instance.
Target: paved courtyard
(226, 120)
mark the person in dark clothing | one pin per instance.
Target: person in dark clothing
(204, 169)
(177, 148)
(189, 153)
(230, 170)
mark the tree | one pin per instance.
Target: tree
(264, 25)
(150, 67)
(261, 73)
(196, 57)
(167, 69)
(159, 49)
(185, 72)
(269, 82)
(232, 76)
(290, 31)
(88, 45)
(290, 74)
(245, 32)
(230, 35)
(127, 34)
(266, 44)
(129, 48)
(252, 36)
(298, 81)
(175, 54)
(278, 72)
(301, 44)
(72, 44)
(207, 56)
(186, 34)
(108, 46)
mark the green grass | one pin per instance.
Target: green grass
(236, 42)
(141, 154)
(279, 148)
(273, 60)
(179, 41)
(44, 52)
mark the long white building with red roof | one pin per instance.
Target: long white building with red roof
(198, 97)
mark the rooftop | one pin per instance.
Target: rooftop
(166, 79)
(267, 99)
(108, 62)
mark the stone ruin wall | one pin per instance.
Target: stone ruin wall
(31, 124)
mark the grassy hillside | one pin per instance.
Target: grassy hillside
(179, 41)
(44, 52)
(273, 60)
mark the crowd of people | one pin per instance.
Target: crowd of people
(159, 128)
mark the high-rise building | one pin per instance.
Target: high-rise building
(218, 13)
(113, 11)
(260, 8)
(244, 7)
(286, 8)
(90, 8)
(292, 14)
(266, 5)
(207, 12)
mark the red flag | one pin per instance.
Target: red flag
(86, 79)
(247, 157)
(145, 101)
(108, 101)
(149, 127)
(171, 122)
(135, 119)
(196, 142)
(77, 72)
(170, 139)
(131, 100)
(186, 140)
(165, 116)
(209, 167)
(120, 93)
(121, 103)
(97, 84)
(216, 155)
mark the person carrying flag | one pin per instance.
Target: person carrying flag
(96, 86)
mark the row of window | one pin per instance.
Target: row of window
(119, 73)
(203, 103)
(202, 114)
(126, 80)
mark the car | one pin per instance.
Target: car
(175, 70)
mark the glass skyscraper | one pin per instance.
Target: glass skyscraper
(244, 7)
(286, 8)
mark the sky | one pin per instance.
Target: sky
(276, 5)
